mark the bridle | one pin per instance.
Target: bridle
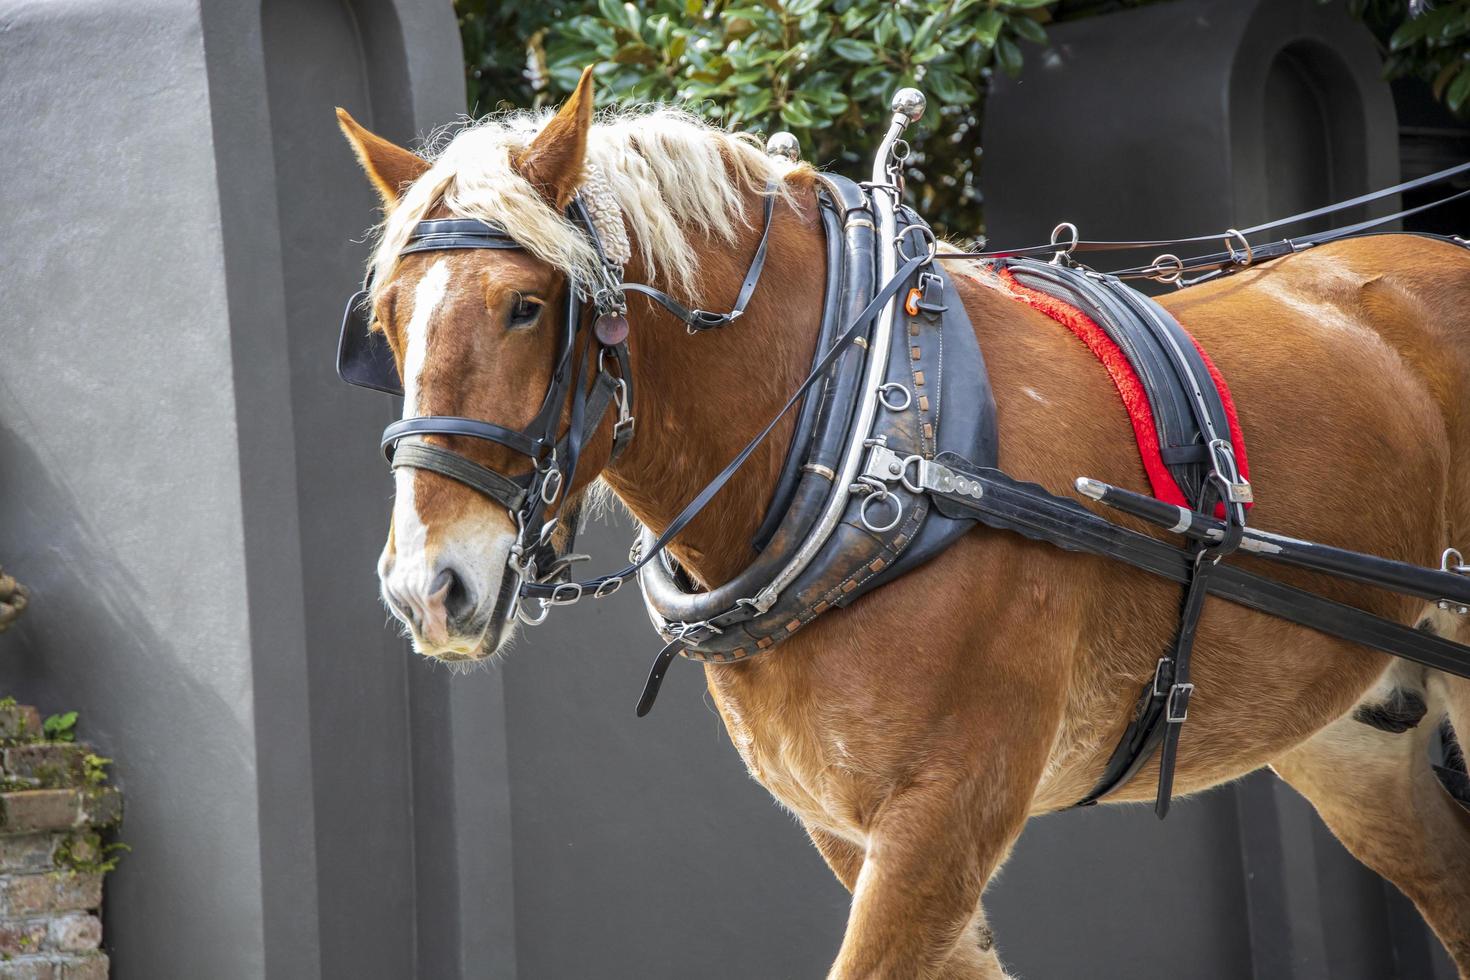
(536, 500)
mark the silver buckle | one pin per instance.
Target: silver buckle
(1177, 709)
(573, 593)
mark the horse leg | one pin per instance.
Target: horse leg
(915, 910)
(973, 955)
(1377, 793)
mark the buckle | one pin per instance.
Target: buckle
(565, 594)
(1222, 462)
(705, 320)
(1178, 707)
(931, 289)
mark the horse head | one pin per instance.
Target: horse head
(488, 315)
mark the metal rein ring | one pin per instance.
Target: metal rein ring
(925, 234)
(1232, 236)
(1168, 269)
(883, 390)
(530, 620)
(878, 496)
(900, 144)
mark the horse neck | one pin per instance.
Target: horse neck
(701, 398)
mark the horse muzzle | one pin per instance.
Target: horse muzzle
(453, 613)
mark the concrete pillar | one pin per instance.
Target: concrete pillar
(197, 503)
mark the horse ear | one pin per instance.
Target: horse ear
(389, 166)
(553, 163)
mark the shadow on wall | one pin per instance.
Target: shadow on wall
(86, 606)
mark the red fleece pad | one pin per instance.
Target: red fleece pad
(1131, 390)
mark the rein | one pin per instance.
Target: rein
(1238, 253)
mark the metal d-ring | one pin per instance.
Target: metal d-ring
(536, 620)
(881, 495)
(912, 486)
(925, 235)
(884, 389)
(1232, 236)
(1453, 561)
(1062, 253)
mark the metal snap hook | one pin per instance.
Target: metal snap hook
(1062, 253)
(1453, 561)
(551, 487)
(884, 389)
(879, 496)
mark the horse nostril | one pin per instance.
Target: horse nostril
(459, 601)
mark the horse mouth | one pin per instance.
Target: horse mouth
(485, 634)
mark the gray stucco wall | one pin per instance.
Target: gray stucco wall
(185, 487)
(119, 466)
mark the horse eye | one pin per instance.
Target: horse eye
(524, 312)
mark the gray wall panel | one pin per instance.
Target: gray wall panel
(642, 848)
(118, 460)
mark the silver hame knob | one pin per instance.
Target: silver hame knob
(910, 102)
(785, 146)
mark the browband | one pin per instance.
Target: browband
(451, 233)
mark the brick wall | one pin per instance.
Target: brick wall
(54, 808)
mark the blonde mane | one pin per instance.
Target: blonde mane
(666, 171)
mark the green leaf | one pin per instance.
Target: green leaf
(950, 88)
(851, 49)
(615, 12)
(987, 27)
(1028, 29)
(927, 29)
(1446, 73)
(1008, 55)
(796, 113)
(1458, 92)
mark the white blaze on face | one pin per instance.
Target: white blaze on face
(410, 535)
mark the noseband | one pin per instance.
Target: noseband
(536, 499)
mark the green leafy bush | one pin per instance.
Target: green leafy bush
(1434, 46)
(825, 69)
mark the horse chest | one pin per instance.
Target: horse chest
(816, 773)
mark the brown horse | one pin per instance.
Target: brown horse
(914, 756)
